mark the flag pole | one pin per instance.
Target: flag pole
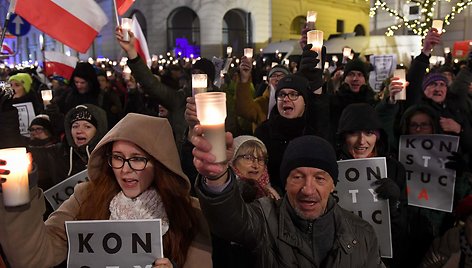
(116, 13)
(11, 7)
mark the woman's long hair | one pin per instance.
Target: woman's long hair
(183, 220)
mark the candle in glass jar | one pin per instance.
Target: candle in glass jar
(311, 19)
(229, 50)
(438, 25)
(211, 112)
(315, 37)
(400, 73)
(248, 52)
(126, 26)
(16, 188)
(47, 96)
(199, 83)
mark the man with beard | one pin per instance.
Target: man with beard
(306, 228)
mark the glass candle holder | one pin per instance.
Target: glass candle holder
(311, 19)
(211, 112)
(248, 52)
(400, 73)
(229, 50)
(438, 25)
(47, 96)
(315, 37)
(199, 83)
(126, 27)
(16, 188)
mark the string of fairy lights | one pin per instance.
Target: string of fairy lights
(422, 25)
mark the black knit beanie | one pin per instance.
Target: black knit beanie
(205, 66)
(294, 82)
(356, 65)
(81, 112)
(359, 116)
(309, 151)
(43, 121)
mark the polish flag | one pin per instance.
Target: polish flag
(140, 43)
(123, 6)
(6, 49)
(57, 63)
(72, 22)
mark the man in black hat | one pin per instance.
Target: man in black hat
(306, 228)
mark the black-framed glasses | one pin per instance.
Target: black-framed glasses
(420, 126)
(249, 159)
(136, 163)
(36, 129)
(293, 96)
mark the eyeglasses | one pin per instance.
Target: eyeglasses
(249, 159)
(293, 96)
(36, 129)
(420, 126)
(136, 163)
(279, 76)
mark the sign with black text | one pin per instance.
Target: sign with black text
(60, 192)
(429, 183)
(123, 243)
(25, 116)
(384, 65)
(356, 193)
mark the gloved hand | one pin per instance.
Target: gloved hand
(308, 68)
(52, 108)
(387, 189)
(3, 172)
(456, 162)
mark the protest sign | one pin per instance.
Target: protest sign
(384, 65)
(60, 192)
(429, 183)
(123, 243)
(25, 116)
(356, 193)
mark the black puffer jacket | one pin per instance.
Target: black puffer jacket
(267, 228)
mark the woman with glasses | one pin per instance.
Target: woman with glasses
(134, 173)
(291, 117)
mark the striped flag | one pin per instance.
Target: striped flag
(123, 5)
(57, 63)
(72, 22)
(141, 43)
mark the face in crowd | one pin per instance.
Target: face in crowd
(308, 191)
(82, 132)
(81, 85)
(420, 123)
(18, 87)
(436, 91)
(275, 78)
(132, 167)
(361, 144)
(251, 160)
(290, 103)
(38, 132)
(355, 80)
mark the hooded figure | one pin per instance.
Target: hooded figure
(84, 88)
(185, 235)
(78, 155)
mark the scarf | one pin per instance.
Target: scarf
(147, 205)
(261, 183)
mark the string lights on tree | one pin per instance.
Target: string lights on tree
(421, 25)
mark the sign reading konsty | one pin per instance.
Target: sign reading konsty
(429, 183)
(123, 243)
(356, 193)
(60, 192)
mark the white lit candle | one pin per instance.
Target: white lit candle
(264, 78)
(211, 112)
(311, 19)
(229, 50)
(248, 52)
(126, 73)
(126, 26)
(447, 50)
(199, 83)
(273, 64)
(438, 25)
(15, 189)
(315, 37)
(335, 58)
(109, 73)
(47, 96)
(400, 73)
(154, 58)
(347, 52)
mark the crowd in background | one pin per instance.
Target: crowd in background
(269, 104)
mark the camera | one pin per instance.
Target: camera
(6, 89)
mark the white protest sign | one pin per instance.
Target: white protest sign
(60, 192)
(356, 193)
(429, 183)
(25, 116)
(384, 65)
(123, 243)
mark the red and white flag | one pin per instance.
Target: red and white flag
(57, 63)
(123, 5)
(6, 49)
(141, 43)
(72, 22)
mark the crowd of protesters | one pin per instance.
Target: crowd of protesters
(101, 117)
